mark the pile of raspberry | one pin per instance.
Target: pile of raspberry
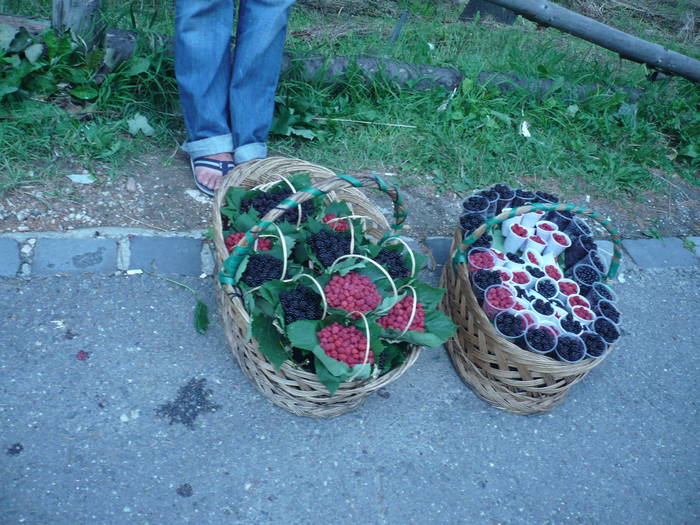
(339, 226)
(233, 239)
(345, 343)
(398, 316)
(352, 292)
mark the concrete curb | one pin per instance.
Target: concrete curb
(117, 250)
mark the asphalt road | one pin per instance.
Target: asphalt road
(114, 410)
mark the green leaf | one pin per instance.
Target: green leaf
(33, 52)
(136, 66)
(83, 92)
(304, 133)
(269, 340)
(428, 296)
(690, 151)
(303, 334)
(140, 123)
(201, 317)
(327, 379)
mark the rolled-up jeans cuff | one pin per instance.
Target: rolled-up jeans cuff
(208, 146)
(254, 150)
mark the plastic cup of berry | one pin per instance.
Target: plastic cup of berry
(606, 329)
(532, 257)
(506, 224)
(482, 280)
(566, 287)
(575, 300)
(570, 348)
(523, 279)
(505, 197)
(522, 198)
(583, 315)
(553, 272)
(608, 310)
(480, 259)
(544, 310)
(594, 259)
(586, 276)
(531, 218)
(601, 292)
(547, 287)
(545, 229)
(497, 299)
(570, 325)
(540, 339)
(470, 222)
(506, 274)
(491, 196)
(477, 204)
(556, 244)
(516, 237)
(577, 252)
(595, 344)
(510, 325)
(560, 218)
(577, 228)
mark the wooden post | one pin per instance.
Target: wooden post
(627, 46)
(82, 17)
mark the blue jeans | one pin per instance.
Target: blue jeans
(228, 105)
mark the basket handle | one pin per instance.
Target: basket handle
(460, 255)
(338, 182)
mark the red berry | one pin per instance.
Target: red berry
(536, 239)
(352, 292)
(518, 230)
(560, 239)
(547, 227)
(233, 239)
(398, 316)
(345, 343)
(339, 226)
(553, 272)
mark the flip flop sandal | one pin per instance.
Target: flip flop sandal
(224, 166)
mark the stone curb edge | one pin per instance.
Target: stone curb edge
(120, 250)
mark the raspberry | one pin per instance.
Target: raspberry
(233, 239)
(540, 339)
(570, 324)
(328, 245)
(482, 260)
(262, 268)
(518, 230)
(537, 239)
(595, 346)
(568, 287)
(476, 203)
(553, 272)
(345, 343)
(570, 348)
(301, 303)
(583, 313)
(353, 293)
(398, 316)
(393, 262)
(500, 297)
(547, 227)
(339, 226)
(265, 201)
(521, 277)
(559, 238)
(532, 257)
(470, 222)
(577, 300)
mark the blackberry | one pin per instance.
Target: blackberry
(595, 346)
(475, 203)
(262, 268)
(470, 222)
(483, 242)
(504, 191)
(509, 324)
(522, 197)
(606, 329)
(557, 302)
(570, 324)
(514, 258)
(301, 303)
(547, 289)
(328, 245)
(603, 291)
(265, 201)
(485, 278)
(393, 262)
(597, 261)
(607, 309)
(535, 271)
(543, 307)
(585, 275)
(489, 193)
(540, 339)
(543, 196)
(570, 348)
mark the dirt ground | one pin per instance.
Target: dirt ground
(157, 192)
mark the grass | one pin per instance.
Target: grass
(604, 142)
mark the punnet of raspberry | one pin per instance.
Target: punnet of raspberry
(352, 292)
(345, 343)
(398, 317)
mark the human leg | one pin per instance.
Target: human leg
(260, 35)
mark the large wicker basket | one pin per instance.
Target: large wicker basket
(290, 387)
(500, 372)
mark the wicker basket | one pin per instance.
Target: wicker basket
(500, 372)
(290, 387)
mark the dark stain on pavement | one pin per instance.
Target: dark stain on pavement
(184, 490)
(88, 259)
(192, 400)
(15, 449)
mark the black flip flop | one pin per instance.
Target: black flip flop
(223, 166)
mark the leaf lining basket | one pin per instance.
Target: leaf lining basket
(498, 371)
(291, 387)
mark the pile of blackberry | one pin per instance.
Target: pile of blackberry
(482, 279)
(265, 201)
(570, 348)
(543, 307)
(606, 329)
(301, 303)
(483, 242)
(608, 310)
(504, 191)
(393, 262)
(570, 324)
(547, 289)
(475, 203)
(595, 346)
(328, 245)
(603, 291)
(509, 324)
(470, 222)
(535, 271)
(543, 196)
(584, 275)
(262, 268)
(540, 339)
(515, 258)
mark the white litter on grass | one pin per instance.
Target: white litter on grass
(621, 277)
(198, 196)
(82, 178)
(525, 129)
(134, 272)
(431, 46)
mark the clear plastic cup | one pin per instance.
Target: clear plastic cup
(579, 249)
(567, 287)
(514, 337)
(594, 259)
(560, 218)
(586, 276)
(577, 300)
(492, 197)
(474, 264)
(601, 292)
(567, 323)
(535, 244)
(556, 244)
(553, 272)
(490, 306)
(570, 348)
(577, 228)
(532, 345)
(477, 288)
(477, 204)
(506, 274)
(596, 347)
(606, 329)
(583, 315)
(505, 197)
(540, 282)
(470, 222)
(608, 310)
(523, 279)
(514, 241)
(545, 229)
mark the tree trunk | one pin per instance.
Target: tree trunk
(627, 46)
(82, 17)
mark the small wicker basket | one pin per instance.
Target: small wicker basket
(290, 387)
(500, 372)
